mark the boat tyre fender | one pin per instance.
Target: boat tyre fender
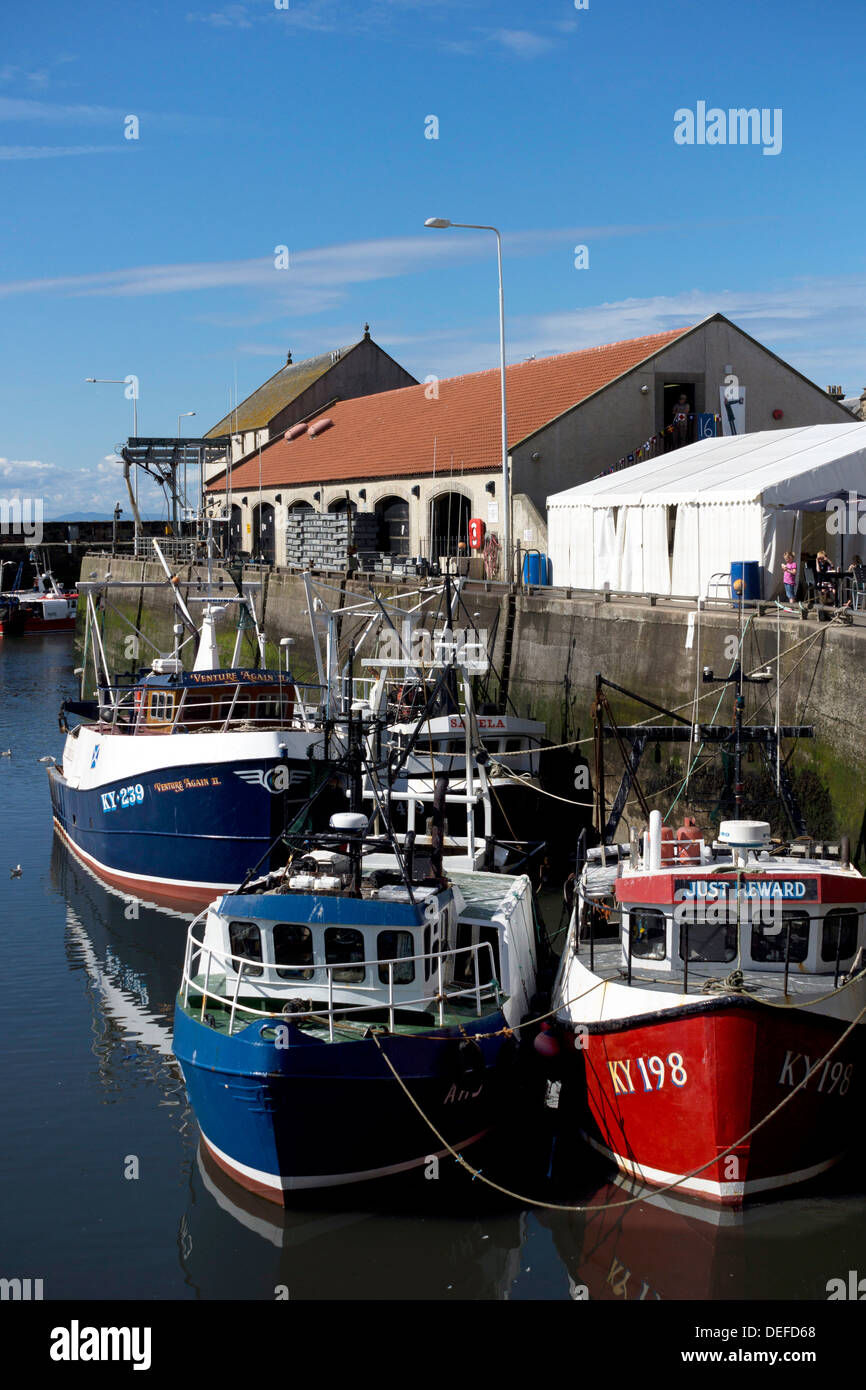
(470, 1067)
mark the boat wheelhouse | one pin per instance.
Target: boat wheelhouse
(734, 983)
(178, 783)
(302, 1004)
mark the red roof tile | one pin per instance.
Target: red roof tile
(398, 433)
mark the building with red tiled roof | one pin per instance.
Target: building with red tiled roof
(299, 390)
(428, 457)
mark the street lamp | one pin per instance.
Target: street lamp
(180, 417)
(127, 381)
(442, 222)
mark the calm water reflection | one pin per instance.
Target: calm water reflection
(90, 1085)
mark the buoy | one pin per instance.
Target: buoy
(546, 1045)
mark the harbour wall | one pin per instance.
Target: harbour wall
(550, 644)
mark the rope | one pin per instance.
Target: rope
(630, 1201)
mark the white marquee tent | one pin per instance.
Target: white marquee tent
(667, 525)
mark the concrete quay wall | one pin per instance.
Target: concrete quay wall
(560, 641)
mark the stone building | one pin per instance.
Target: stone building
(301, 390)
(427, 458)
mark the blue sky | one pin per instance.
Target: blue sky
(261, 127)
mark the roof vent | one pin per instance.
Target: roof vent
(295, 432)
(320, 426)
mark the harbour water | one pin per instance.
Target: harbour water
(106, 1195)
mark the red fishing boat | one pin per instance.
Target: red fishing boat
(711, 997)
(44, 608)
(730, 984)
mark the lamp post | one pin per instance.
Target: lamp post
(184, 414)
(441, 222)
(127, 381)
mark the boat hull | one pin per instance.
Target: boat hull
(189, 832)
(315, 1114)
(670, 1092)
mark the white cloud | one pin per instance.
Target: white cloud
(522, 42)
(10, 468)
(56, 151)
(229, 17)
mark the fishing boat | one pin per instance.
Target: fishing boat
(44, 608)
(176, 783)
(351, 1017)
(710, 997)
(422, 694)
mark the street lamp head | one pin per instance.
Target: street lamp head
(437, 222)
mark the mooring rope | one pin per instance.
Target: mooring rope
(629, 1201)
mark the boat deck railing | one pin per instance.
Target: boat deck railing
(199, 709)
(206, 971)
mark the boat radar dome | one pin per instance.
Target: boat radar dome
(349, 820)
(745, 834)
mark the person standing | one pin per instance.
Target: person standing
(789, 574)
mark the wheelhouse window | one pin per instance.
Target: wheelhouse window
(396, 946)
(269, 707)
(839, 924)
(769, 939)
(293, 951)
(345, 946)
(648, 932)
(245, 940)
(708, 940)
(161, 705)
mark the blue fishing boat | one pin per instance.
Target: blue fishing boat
(350, 1017)
(176, 783)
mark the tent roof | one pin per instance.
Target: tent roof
(798, 468)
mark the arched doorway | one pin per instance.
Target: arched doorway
(449, 525)
(236, 543)
(392, 514)
(300, 507)
(342, 505)
(263, 533)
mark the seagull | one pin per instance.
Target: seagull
(16, 872)
(5, 752)
(47, 759)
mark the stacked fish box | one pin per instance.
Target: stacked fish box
(386, 566)
(321, 540)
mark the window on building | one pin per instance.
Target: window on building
(245, 941)
(392, 514)
(396, 946)
(345, 946)
(293, 951)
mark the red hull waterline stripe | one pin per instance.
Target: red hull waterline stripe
(196, 894)
(726, 1193)
(274, 1188)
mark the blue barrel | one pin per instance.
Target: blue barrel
(749, 571)
(535, 568)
